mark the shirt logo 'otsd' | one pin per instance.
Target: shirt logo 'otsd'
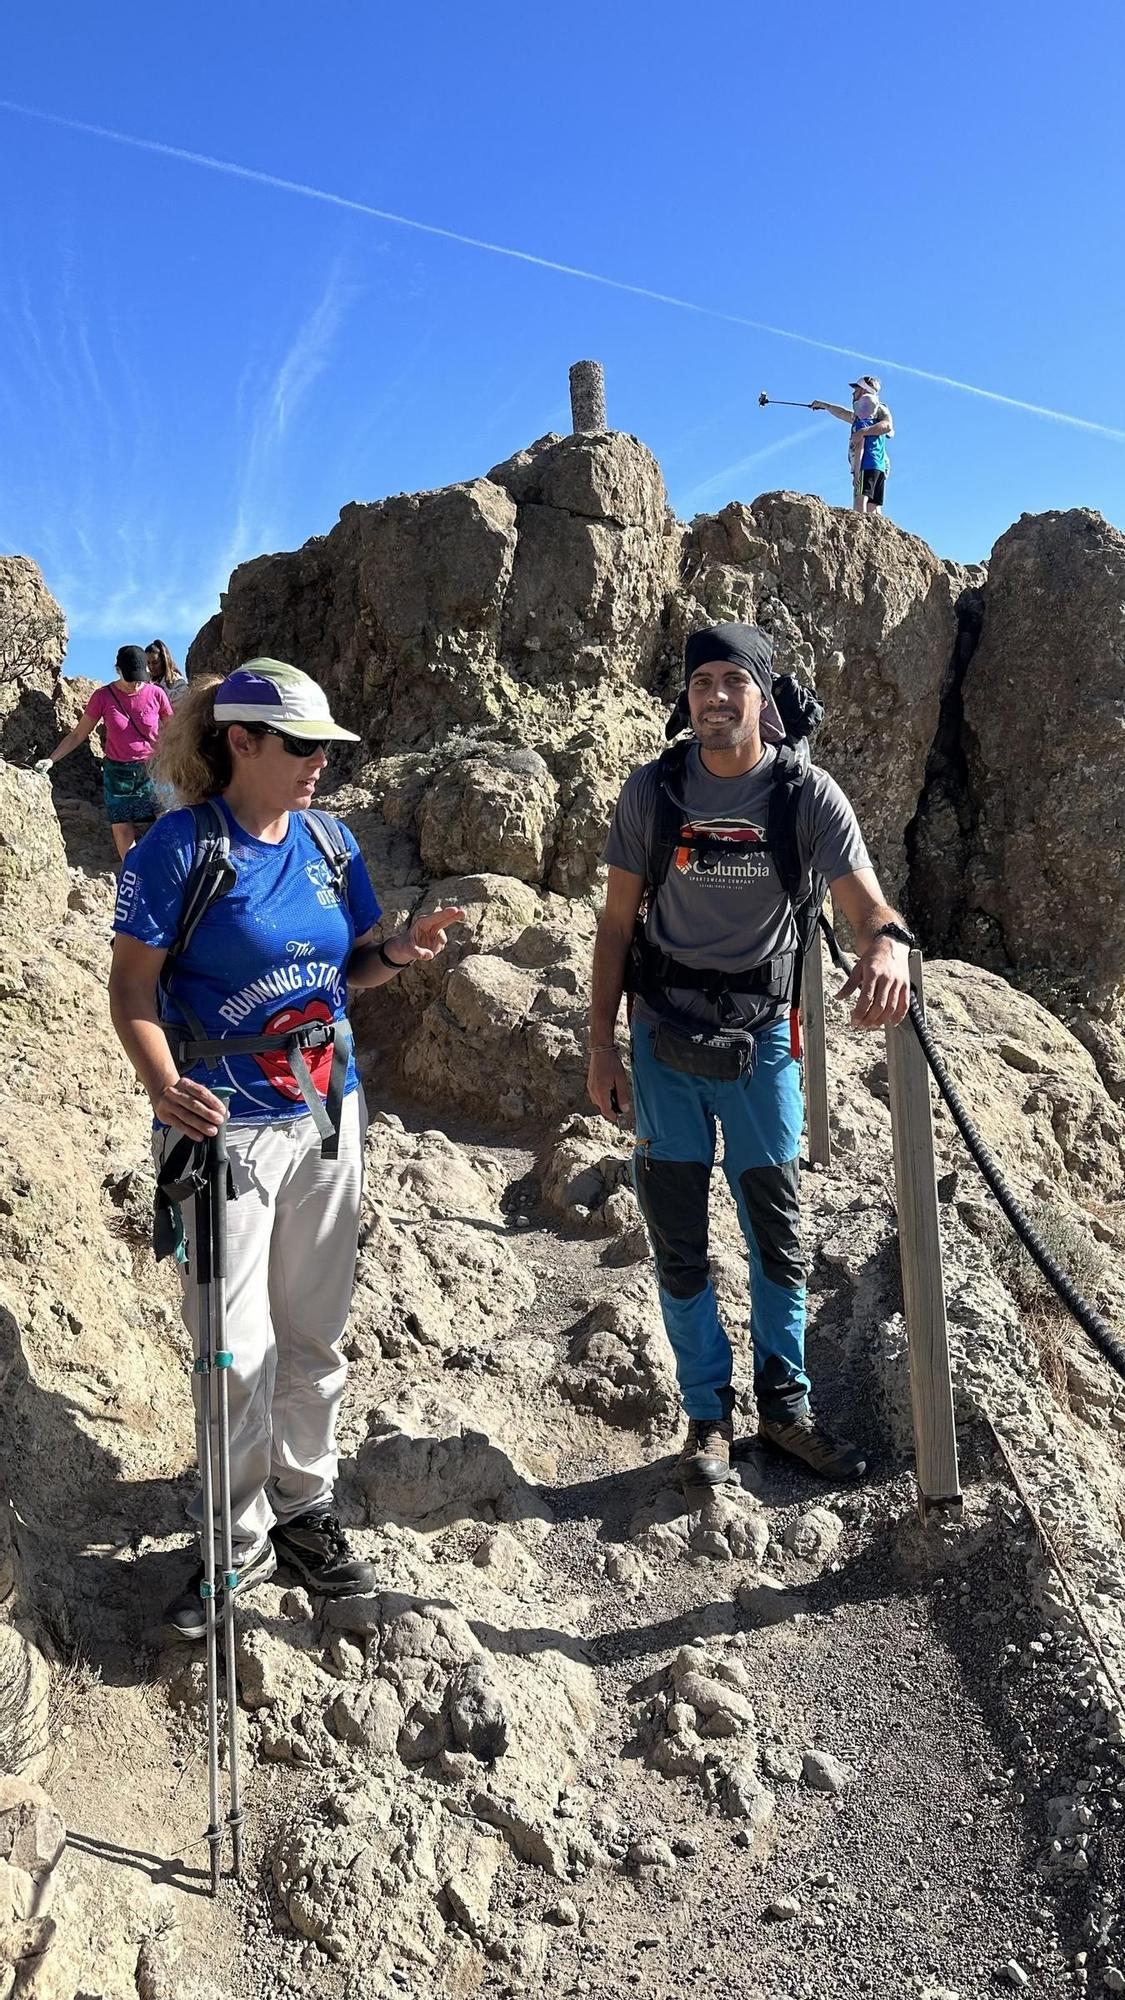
(722, 853)
(320, 875)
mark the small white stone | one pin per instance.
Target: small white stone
(824, 1772)
(784, 1908)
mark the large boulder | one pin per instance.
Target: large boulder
(494, 813)
(32, 644)
(1044, 709)
(34, 884)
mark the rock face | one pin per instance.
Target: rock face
(32, 644)
(1044, 703)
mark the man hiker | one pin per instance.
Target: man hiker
(871, 424)
(712, 971)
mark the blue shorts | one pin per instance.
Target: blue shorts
(127, 793)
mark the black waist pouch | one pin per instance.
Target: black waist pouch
(721, 1057)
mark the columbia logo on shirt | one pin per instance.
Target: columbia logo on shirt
(735, 855)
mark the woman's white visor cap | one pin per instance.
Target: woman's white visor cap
(270, 691)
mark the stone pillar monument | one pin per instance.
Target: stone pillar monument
(587, 396)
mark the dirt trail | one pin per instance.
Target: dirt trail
(901, 1655)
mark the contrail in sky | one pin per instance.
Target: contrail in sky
(549, 264)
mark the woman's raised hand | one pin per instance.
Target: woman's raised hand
(426, 936)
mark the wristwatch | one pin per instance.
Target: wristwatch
(899, 934)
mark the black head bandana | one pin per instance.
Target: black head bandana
(740, 646)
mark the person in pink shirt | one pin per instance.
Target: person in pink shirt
(131, 710)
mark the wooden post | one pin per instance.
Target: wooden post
(816, 1055)
(587, 396)
(923, 1288)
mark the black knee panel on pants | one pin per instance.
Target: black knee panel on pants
(773, 1204)
(673, 1199)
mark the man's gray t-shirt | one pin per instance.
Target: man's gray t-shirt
(733, 912)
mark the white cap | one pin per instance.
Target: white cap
(282, 696)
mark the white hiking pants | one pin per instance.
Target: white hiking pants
(291, 1248)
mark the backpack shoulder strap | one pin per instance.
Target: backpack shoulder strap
(211, 874)
(789, 773)
(666, 819)
(328, 834)
(793, 767)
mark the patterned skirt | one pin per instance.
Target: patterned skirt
(128, 793)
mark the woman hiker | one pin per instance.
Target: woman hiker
(132, 710)
(271, 956)
(164, 672)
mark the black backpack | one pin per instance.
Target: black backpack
(779, 979)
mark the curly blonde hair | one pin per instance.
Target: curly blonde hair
(192, 753)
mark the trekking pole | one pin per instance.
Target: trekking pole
(217, 1179)
(781, 403)
(204, 1418)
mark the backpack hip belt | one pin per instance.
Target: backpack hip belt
(197, 1047)
(650, 970)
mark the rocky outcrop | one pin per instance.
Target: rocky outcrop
(32, 644)
(1039, 870)
(1045, 736)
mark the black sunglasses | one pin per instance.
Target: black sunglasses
(296, 746)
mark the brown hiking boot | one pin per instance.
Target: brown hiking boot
(804, 1438)
(705, 1455)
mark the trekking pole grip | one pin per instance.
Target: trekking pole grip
(219, 1141)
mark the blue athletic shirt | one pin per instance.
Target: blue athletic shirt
(268, 956)
(874, 458)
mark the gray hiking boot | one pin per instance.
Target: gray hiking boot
(705, 1455)
(806, 1439)
(186, 1616)
(316, 1546)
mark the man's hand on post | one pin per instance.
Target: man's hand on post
(607, 1078)
(881, 982)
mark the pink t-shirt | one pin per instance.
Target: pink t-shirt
(132, 721)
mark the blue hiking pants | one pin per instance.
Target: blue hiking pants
(761, 1115)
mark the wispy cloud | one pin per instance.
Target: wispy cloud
(308, 356)
(851, 353)
(263, 422)
(119, 550)
(721, 481)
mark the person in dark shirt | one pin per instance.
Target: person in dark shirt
(711, 1036)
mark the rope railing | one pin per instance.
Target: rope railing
(912, 1055)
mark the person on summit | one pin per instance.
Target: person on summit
(269, 957)
(871, 424)
(711, 967)
(133, 710)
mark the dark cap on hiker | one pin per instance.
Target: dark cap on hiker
(738, 646)
(132, 663)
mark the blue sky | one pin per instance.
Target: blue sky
(196, 367)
